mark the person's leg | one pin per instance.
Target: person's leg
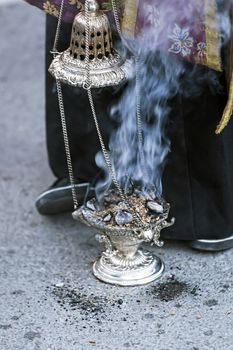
(81, 129)
(198, 179)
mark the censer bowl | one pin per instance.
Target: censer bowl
(124, 262)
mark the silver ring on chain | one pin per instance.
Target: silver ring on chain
(86, 85)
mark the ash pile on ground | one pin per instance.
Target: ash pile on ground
(77, 299)
(170, 290)
(90, 306)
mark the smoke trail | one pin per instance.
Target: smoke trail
(162, 77)
(224, 8)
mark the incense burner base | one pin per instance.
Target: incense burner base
(124, 262)
(143, 268)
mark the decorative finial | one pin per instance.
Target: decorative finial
(92, 5)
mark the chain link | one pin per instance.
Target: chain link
(87, 87)
(139, 119)
(137, 86)
(66, 143)
(116, 18)
(58, 29)
(62, 113)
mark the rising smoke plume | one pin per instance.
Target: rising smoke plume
(162, 76)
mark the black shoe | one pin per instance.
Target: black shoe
(212, 245)
(58, 198)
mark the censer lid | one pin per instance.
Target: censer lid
(106, 66)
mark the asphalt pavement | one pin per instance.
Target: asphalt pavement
(49, 299)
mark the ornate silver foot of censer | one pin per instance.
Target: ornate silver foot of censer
(124, 262)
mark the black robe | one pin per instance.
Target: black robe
(198, 176)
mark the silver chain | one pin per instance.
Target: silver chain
(116, 18)
(137, 85)
(87, 87)
(62, 114)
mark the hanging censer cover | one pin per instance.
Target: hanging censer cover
(106, 66)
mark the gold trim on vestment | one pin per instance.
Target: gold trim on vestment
(228, 111)
(213, 40)
(129, 19)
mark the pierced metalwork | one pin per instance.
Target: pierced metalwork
(106, 66)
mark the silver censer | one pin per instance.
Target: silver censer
(92, 62)
(124, 262)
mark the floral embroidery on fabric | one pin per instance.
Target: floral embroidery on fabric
(188, 29)
(183, 42)
(50, 9)
(71, 7)
(201, 50)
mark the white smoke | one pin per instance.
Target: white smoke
(162, 77)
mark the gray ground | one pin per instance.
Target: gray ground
(49, 299)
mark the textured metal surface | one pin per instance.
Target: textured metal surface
(100, 36)
(106, 67)
(104, 72)
(112, 269)
(122, 262)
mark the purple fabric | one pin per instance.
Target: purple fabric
(177, 27)
(69, 10)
